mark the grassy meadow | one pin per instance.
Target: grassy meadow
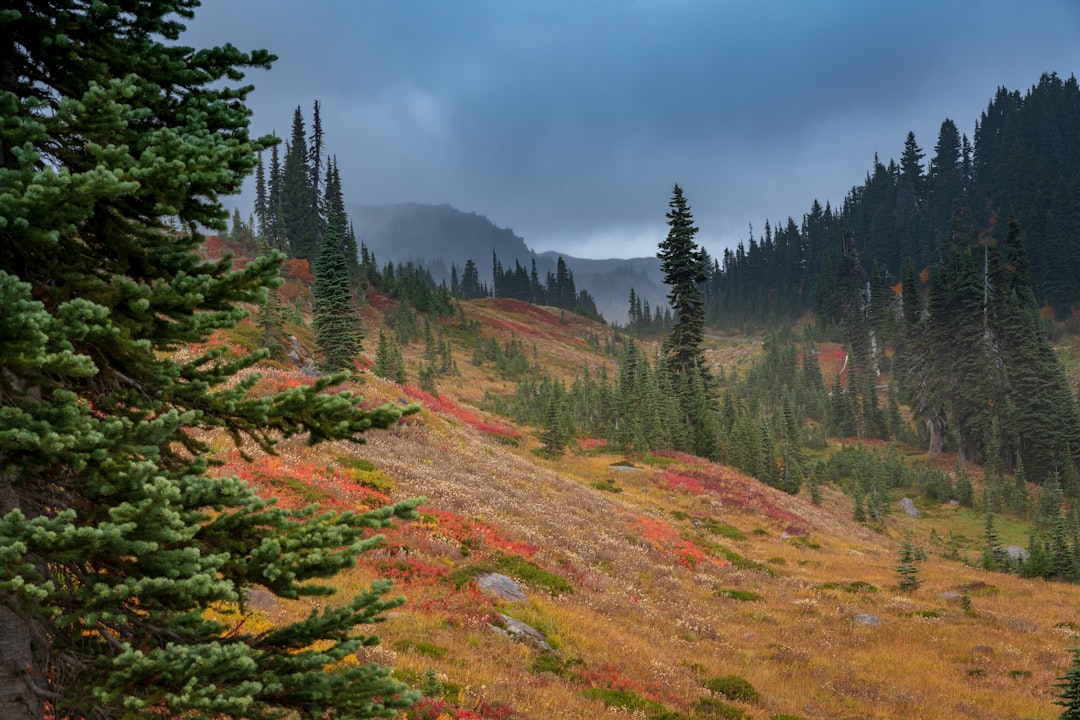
(659, 582)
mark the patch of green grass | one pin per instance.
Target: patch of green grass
(373, 479)
(606, 486)
(357, 463)
(854, 588)
(804, 542)
(297, 488)
(513, 566)
(723, 529)
(778, 561)
(742, 595)
(736, 560)
(734, 687)
(549, 662)
(633, 702)
(420, 647)
(713, 709)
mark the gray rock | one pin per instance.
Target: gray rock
(521, 631)
(866, 619)
(501, 587)
(951, 595)
(909, 508)
(1015, 552)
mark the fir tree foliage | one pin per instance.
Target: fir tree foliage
(114, 539)
(335, 320)
(1068, 689)
(684, 265)
(908, 569)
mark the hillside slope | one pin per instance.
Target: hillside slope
(652, 577)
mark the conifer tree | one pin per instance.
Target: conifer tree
(1068, 689)
(114, 538)
(684, 266)
(552, 436)
(908, 569)
(299, 219)
(335, 320)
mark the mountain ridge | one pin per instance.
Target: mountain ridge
(440, 236)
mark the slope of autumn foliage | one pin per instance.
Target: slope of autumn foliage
(648, 576)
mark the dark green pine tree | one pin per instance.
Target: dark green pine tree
(299, 219)
(388, 360)
(272, 313)
(114, 538)
(552, 436)
(1068, 689)
(908, 569)
(684, 266)
(335, 320)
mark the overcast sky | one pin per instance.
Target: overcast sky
(570, 121)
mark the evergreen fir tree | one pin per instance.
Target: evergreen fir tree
(1068, 689)
(262, 207)
(684, 267)
(388, 360)
(115, 540)
(994, 556)
(272, 313)
(965, 491)
(335, 320)
(299, 219)
(552, 437)
(908, 569)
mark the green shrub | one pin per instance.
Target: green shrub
(513, 566)
(733, 687)
(426, 649)
(623, 699)
(736, 594)
(606, 486)
(356, 463)
(713, 709)
(549, 662)
(372, 479)
(723, 529)
(854, 587)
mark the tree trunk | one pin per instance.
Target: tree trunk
(24, 646)
(937, 436)
(22, 655)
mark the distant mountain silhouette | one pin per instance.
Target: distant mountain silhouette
(438, 236)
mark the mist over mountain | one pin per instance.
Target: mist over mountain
(439, 236)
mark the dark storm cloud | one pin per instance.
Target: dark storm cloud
(570, 122)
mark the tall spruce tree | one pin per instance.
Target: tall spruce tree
(114, 538)
(299, 218)
(336, 322)
(685, 266)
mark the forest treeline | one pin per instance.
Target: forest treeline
(1023, 159)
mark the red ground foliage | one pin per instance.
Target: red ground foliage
(445, 405)
(474, 534)
(669, 543)
(730, 485)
